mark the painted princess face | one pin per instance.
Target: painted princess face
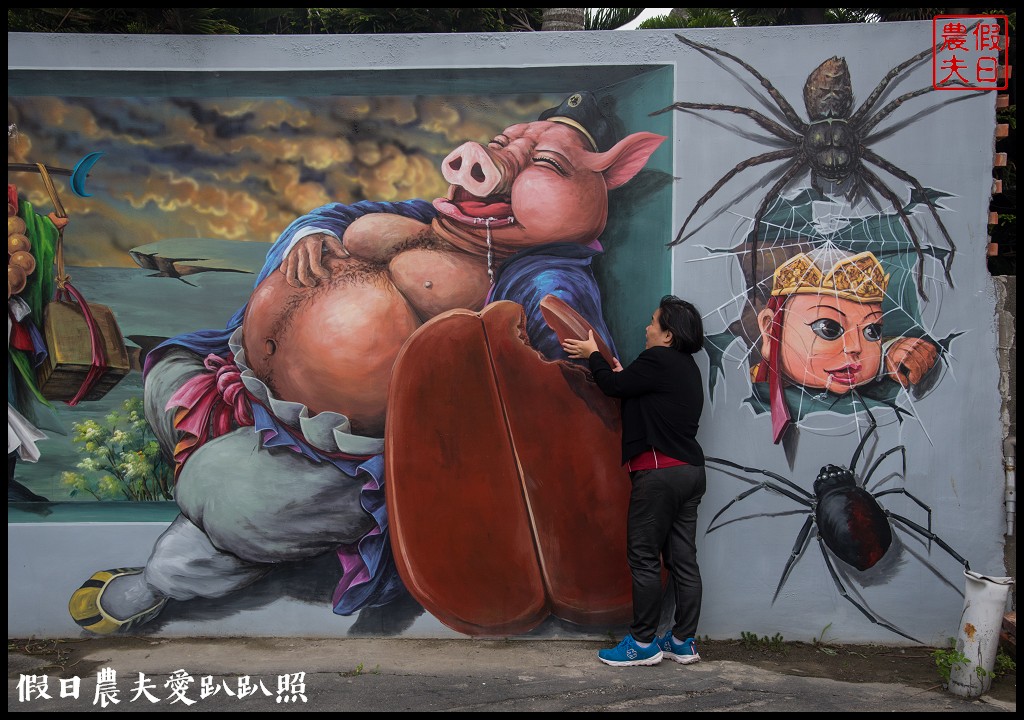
(828, 342)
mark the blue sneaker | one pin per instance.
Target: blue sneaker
(628, 652)
(684, 652)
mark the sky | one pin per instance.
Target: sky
(238, 168)
(645, 15)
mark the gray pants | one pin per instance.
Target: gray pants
(243, 508)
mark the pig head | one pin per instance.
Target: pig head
(533, 184)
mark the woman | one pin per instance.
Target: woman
(662, 399)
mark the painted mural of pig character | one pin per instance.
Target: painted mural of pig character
(276, 422)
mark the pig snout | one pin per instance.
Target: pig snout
(476, 170)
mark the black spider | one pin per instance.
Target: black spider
(850, 522)
(833, 145)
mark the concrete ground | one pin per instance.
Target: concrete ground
(371, 675)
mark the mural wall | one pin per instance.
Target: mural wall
(319, 389)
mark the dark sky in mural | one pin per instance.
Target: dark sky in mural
(238, 168)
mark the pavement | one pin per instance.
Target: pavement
(393, 674)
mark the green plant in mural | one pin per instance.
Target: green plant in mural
(122, 458)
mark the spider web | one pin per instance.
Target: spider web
(807, 220)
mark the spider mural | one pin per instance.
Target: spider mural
(833, 145)
(850, 522)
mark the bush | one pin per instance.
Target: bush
(122, 458)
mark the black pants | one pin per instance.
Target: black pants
(663, 524)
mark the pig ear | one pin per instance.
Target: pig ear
(626, 158)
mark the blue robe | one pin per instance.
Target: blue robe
(561, 269)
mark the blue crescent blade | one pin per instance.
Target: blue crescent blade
(81, 172)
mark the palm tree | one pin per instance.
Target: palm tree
(563, 19)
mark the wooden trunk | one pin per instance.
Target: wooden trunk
(69, 357)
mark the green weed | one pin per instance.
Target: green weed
(354, 673)
(947, 659)
(1004, 665)
(820, 644)
(773, 644)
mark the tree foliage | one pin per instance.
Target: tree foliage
(610, 18)
(154, 21)
(273, 21)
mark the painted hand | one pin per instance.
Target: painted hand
(909, 359)
(304, 266)
(59, 222)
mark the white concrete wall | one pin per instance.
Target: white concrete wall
(952, 440)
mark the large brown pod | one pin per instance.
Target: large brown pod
(567, 323)
(506, 498)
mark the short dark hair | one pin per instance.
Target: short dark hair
(683, 320)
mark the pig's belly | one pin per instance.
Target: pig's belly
(435, 280)
(331, 347)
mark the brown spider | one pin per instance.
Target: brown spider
(833, 145)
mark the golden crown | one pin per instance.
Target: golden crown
(857, 277)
